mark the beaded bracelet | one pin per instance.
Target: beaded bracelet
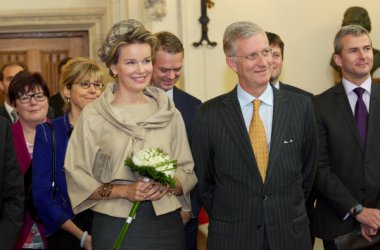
(83, 239)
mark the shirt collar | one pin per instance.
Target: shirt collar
(170, 93)
(8, 107)
(349, 86)
(246, 99)
(276, 85)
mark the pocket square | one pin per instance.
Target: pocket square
(290, 141)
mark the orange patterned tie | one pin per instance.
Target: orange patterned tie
(259, 139)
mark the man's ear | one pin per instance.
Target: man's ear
(231, 62)
(338, 60)
(2, 86)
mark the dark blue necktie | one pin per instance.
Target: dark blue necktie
(361, 115)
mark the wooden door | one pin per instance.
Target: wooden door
(42, 52)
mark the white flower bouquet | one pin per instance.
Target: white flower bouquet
(151, 164)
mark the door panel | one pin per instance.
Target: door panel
(42, 52)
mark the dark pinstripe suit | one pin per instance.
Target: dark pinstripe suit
(240, 206)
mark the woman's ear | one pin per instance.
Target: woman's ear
(113, 69)
(66, 92)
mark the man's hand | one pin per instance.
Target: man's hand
(369, 217)
(367, 232)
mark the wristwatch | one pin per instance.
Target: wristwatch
(358, 208)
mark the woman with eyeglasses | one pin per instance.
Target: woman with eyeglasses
(82, 79)
(29, 94)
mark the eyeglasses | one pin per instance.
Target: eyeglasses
(87, 84)
(254, 56)
(38, 97)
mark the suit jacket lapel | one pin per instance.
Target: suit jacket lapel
(233, 120)
(281, 115)
(344, 105)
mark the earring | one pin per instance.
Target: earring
(113, 75)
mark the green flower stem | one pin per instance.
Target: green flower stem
(124, 230)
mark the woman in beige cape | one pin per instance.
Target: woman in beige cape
(129, 116)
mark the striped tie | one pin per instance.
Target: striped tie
(259, 140)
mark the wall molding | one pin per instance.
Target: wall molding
(92, 20)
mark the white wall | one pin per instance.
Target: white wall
(307, 28)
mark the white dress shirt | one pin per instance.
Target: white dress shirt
(9, 109)
(353, 97)
(266, 109)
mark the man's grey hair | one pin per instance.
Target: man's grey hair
(354, 30)
(237, 31)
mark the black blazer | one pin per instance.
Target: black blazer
(4, 113)
(187, 105)
(239, 204)
(347, 174)
(11, 189)
(293, 89)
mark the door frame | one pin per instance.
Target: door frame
(92, 20)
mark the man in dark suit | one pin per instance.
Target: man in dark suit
(348, 116)
(277, 46)
(255, 194)
(7, 72)
(11, 189)
(167, 69)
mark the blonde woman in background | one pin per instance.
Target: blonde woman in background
(82, 79)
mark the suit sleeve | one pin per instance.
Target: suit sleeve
(202, 153)
(12, 195)
(327, 183)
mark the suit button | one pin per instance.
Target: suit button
(259, 226)
(363, 190)
(265, 197)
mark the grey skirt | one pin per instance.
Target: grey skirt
(147, 231)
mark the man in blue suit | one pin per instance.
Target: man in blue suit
(167, 69)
